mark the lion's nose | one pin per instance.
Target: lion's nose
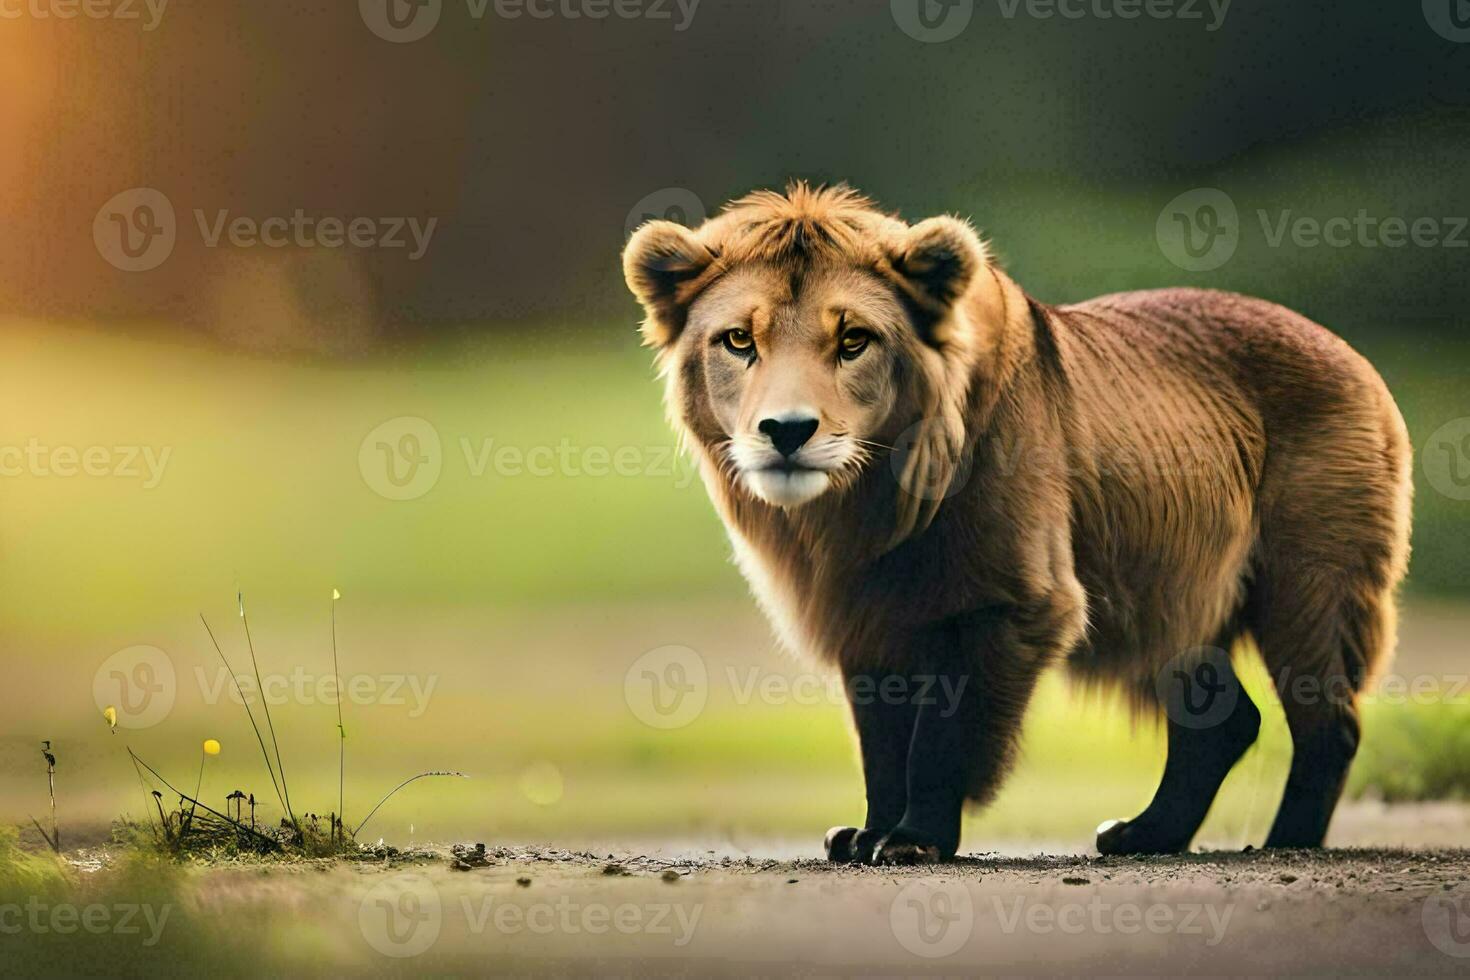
(788, 435)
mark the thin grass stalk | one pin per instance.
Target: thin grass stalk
(341, 732)
(54, 844)
(265, 705)
(55, 829)
(400, 786)
(248, 713)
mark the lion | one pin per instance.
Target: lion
(935, 482)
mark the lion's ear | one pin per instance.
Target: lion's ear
(936, 262)
(661, 262)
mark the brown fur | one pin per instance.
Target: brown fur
(1107, 483)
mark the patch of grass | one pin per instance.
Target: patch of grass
(193, 827)
(1414, 752)
(22, 871)
(130, 921)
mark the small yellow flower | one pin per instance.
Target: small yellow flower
(211, 747)
(109, 714)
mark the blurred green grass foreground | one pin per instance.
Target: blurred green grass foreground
(512, 533)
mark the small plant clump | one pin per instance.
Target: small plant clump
(189, 827)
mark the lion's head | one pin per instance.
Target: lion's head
(806, 335)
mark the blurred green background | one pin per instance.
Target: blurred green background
(266, 382)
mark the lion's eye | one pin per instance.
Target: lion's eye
(739, 341)
(853, 343)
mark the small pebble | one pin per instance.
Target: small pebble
(670, 875)
(524, 882)
(1287, 878)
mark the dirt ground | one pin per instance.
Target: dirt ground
(697, 913)
(1392, 897)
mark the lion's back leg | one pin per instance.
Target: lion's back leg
(1211, 722)
(1333, 547)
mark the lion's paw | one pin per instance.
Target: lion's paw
(838, 845)
(850, 845)
(1131, 837)
(903, 848)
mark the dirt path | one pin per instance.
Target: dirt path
(1347, 911)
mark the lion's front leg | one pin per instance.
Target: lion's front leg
(966, 730)
(947, 728)
(883, 712)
